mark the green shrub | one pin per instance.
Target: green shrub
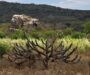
(35, 35)
(86, 27)
(60, 34)
(43, 34)
(72, 33)
(50, 33)
(78, 35)
(3, 50)
(17, 35)
(68, 31)
(2, 34)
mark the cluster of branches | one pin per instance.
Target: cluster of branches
(47, 52)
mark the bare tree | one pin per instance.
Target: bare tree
(48, 51)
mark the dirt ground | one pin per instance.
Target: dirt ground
(56, 68)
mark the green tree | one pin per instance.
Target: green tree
(86, 27)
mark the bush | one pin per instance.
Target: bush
(50, 33)
(68, 31)
(86, 27)
(2, 34)
(43, 34)
(60, 34)
(3, 50)
(78, 35)
(35, 35)
(17, 35)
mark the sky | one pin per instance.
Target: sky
(72, 4)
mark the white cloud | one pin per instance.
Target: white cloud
(80, 1)
(74, 4)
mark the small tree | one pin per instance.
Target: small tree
(86, 27)
(47, 52)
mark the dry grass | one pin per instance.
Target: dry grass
(56, 68)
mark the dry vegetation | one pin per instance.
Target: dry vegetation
(58, 67)
(55, 68)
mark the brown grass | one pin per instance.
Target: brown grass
(56, 68)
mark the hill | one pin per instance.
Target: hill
(51, 16)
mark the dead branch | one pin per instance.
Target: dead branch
(46, 52)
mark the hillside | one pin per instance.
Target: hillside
(49, 15)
